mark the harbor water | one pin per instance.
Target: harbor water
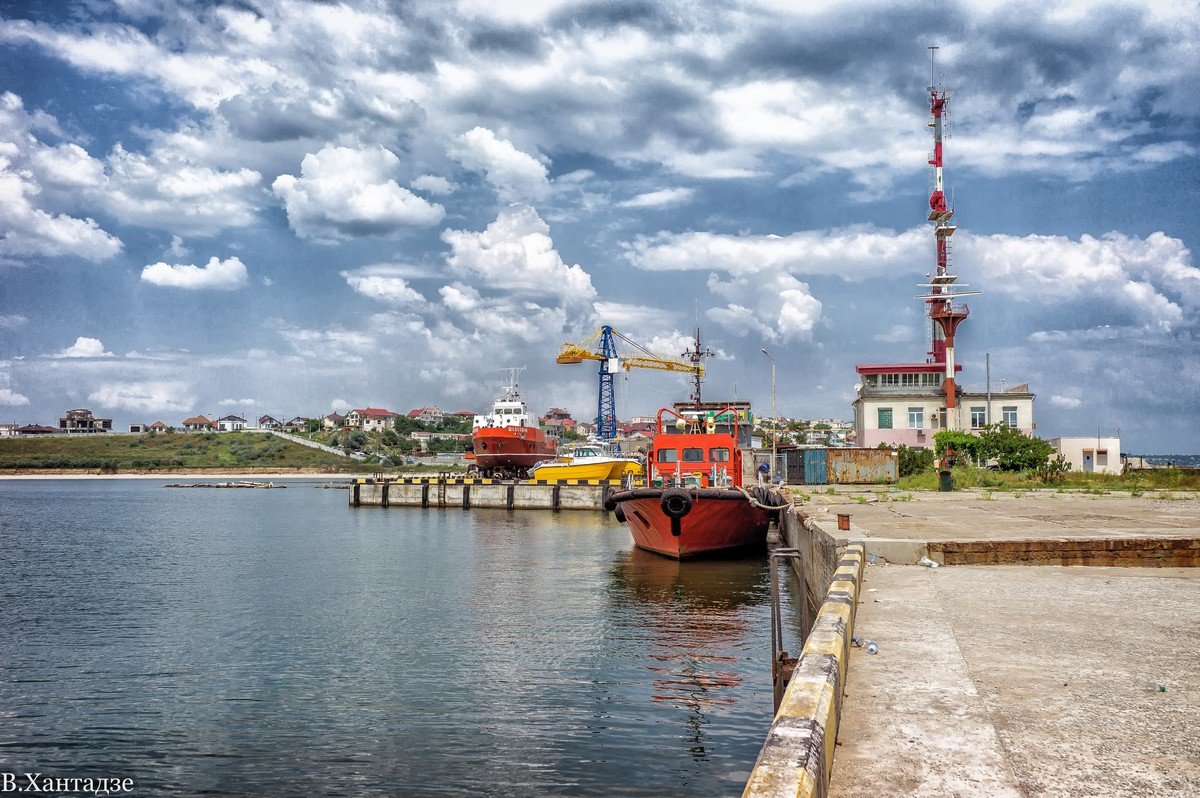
(276, 642)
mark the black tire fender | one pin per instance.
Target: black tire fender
(619, 514)
(675, 502)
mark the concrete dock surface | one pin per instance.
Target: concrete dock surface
(984, 515)
(1018, 680)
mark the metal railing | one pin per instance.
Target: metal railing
(781, 664)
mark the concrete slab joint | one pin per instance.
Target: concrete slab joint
(797, 758)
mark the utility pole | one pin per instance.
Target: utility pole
(774, 417)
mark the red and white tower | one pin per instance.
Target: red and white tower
(944, 314)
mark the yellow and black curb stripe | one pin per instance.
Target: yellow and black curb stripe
(797, 758)
(481, 481)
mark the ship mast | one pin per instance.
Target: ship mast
(510, 390)
(944, 315)
(696, 356)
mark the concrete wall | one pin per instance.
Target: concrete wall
(819, 552)
(797, 758)
(482, 493)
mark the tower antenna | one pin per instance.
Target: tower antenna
(944, 315)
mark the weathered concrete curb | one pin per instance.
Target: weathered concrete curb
(797, 758)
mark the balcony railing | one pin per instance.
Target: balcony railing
(900, 390)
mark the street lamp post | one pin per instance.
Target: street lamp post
(774, 417)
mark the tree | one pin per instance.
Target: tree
(313, 425)
(912, 460)
(1012, 449)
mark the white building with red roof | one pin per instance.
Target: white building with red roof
(370, 419)
(427, 415)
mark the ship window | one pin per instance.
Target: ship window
(668, 456)
(719, 455)
(693, 455)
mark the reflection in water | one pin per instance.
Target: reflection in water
(693, 614)
(206, 642)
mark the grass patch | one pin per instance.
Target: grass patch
(1137, 482)
(115, 453)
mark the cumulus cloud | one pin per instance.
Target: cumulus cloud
(29, 228)
(165, 396)
(432, 184)
(1149, 281)
(10, 398)
(660, 198)
(384, 283)
(347, 193)
(776, 308)
(852, 253)
(340, 406)
(1065, 402)
(515, 175)
(168, 190)
(84, 347)
(222, 275)
(515, 254)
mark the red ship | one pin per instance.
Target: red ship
(701, 507)
(510, 439)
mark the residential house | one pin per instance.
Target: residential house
(558, 419)
(37, 429)
(297, 424)
(333, 421)
(81, 420)
(269, 422)
(370, 419)
(159, 427)
(139, 428)
(231, 423)
(200, 423)
(8, 430)
(427, 415)
(464, 414)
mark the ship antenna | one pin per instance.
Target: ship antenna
(696, 355)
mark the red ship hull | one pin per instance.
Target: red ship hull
(511, 448)
(715, 520)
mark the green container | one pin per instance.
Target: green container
(945, 481)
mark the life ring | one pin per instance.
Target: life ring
(675, 502)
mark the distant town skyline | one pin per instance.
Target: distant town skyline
(213, 206)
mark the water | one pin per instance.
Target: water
(1181, 460)
(279, 643)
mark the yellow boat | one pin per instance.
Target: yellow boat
(586, 461)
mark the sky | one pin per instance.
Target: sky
(287, 208)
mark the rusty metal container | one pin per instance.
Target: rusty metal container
(843, 522)
(862, 466)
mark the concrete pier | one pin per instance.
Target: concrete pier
(1002, 672)
(468, 492)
